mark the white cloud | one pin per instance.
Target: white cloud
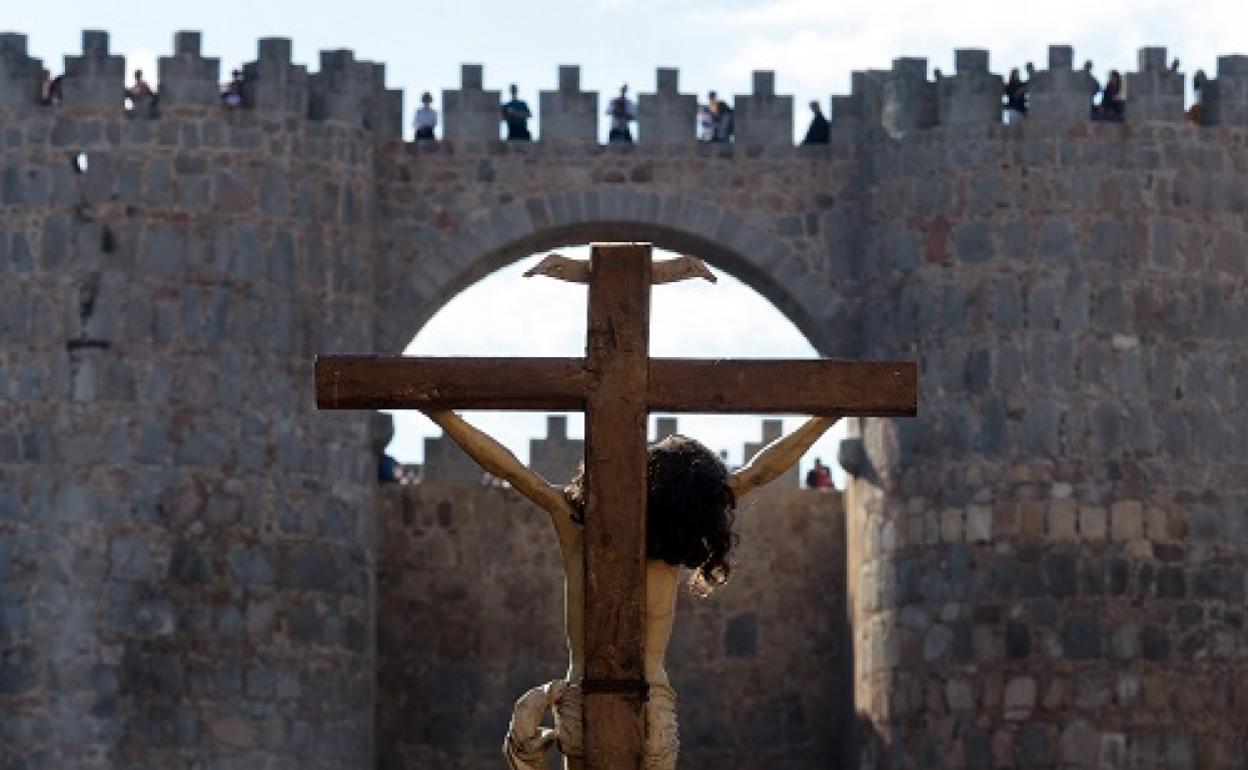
(814, 45)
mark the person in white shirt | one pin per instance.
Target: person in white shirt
(426, 117)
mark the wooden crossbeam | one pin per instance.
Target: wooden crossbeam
(617, 384)
(615, 530)
(764, 386)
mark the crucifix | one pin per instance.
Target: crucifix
(617, 385)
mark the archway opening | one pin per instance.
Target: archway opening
(468, 599)
(505, 314)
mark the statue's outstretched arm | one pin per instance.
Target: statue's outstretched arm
(499, 461)
(778, 456)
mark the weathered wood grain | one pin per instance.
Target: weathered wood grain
(406, 382)
(815, 387)
(884, 388)
(615, 520)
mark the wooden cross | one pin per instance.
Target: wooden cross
(617, 384)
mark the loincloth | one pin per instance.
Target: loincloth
(528, 741)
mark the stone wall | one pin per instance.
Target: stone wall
(1054, 553)
(186, 551)
(1047, 566)
(470, 615)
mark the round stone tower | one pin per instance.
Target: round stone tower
(1052, 557)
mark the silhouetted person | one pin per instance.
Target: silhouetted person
(1196, 113)
(706, 117)
(819, 477)
(622, 115)
(388, 471)
(722, 122)
(232, 96)
(819, 130)
(141, 94)
(516, 115)
(426, 117)
(1015, 93)
(1112, 106)
(52, 90)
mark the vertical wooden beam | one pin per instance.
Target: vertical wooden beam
(617, 361)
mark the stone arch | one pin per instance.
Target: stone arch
(733, 240)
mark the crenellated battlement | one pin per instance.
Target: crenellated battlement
(1077, 295)
(344, 89)
(21, 77)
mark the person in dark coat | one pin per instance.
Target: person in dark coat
(819, 128)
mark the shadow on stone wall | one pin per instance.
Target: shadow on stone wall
(469, 598)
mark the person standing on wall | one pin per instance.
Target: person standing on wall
(722, 126)
(819, 131)
(141, 94)
(706, 118)
(516, 115)
(1015, 93)
(622, 114)
(426, 117)
(819, 477)
(1112, 106)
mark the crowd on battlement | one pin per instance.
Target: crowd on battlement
(898, 100)
(1108, 103)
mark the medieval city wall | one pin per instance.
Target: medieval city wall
(470, 616)
(1046, 566)
(188, 553)
(1053, 555)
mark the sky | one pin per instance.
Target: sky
(545, 317)
(812, 45)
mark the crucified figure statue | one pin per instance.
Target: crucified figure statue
(689, 514)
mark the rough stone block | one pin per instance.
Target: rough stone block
(1081, 637)
(1032, 520)
(1093, 523)
(1061, 94)
(952, 525)
(741, 636)
(1225, 98)
(1062, 520)
(186, 78)
(1061, 573)
(1154, 91)
(959, 695)
(272, 82)
(312, 566)
(1020, 698)
(1017, 640)
(973, 94)
(763, 119)
(908, 99)
(937, 643)
(96, 78)
(130, 558)
(569, 114)
(979, 520)
(1126, 520)
(667, 116)
(21, 77)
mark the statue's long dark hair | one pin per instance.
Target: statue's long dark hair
(689, 510)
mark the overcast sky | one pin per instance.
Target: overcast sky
(813, 45)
